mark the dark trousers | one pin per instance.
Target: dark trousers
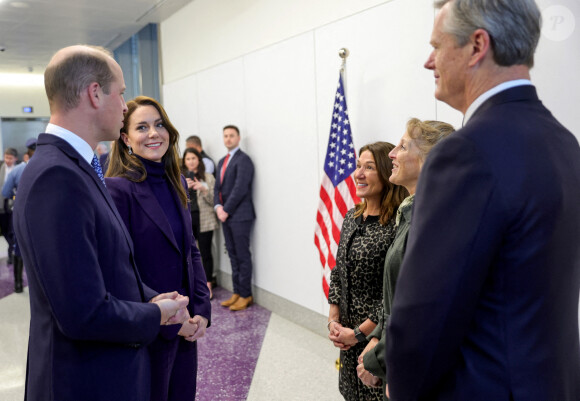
(195, 223)
(173, 369)
(7, 230)
(204, 241)
(237, 236)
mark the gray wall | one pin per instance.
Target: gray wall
(16, 131)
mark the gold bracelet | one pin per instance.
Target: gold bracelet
(328, 325)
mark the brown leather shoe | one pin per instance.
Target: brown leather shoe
(242, 303)
(231, 301)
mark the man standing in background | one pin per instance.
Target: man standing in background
(10, 158)
(486, 304)
(13, 179)
(235, 209)
(8, 193)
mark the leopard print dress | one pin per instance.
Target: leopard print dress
(356, 286)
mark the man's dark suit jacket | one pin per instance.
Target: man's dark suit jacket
(236, 188)
(486, 306)
(89, 324)
(159, 256)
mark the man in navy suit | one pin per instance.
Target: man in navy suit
(90, 319)
(486, 304)
(235, 209)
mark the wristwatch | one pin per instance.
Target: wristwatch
(359, 335)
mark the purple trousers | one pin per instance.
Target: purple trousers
(173, 369)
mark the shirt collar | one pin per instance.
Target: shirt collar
(78, 143)
(233, 151)
(486, 95)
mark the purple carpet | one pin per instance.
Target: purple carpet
(7, 278)
(228, 353)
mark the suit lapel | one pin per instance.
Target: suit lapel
(95, 178)
(148, 202)
(87, 168)
(231, 163)
(68, 150)
(218, 181)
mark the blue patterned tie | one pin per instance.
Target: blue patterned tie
(97, 166)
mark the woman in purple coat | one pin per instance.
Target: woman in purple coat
(145, 182)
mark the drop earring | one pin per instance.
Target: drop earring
(130, 150)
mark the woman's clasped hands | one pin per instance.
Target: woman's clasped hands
(193, 328)
(342, 337)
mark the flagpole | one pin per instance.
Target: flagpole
(343, 53)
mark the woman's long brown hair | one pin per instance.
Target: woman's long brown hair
(392, 195)
(122, 164)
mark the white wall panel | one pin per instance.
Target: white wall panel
(557, 62)
(222, 102)
(216, 31)
(281, 112)
(180, 103)
(385, 80)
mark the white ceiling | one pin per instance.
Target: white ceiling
(31, 31)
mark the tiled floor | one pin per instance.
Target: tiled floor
(252, 354)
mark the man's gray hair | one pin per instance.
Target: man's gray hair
(513, 26)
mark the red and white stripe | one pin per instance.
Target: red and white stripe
(333, 205)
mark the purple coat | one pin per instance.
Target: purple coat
(157, 255)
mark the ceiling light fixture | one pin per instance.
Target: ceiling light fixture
(22, 80)
(19, 4)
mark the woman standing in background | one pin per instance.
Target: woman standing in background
(203, 218)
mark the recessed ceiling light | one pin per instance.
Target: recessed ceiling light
(19, 4)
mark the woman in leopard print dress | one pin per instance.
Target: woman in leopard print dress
(355, 295)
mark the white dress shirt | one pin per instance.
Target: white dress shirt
(486, 95)
(78, 143)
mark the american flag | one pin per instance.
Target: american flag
(337, 191)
